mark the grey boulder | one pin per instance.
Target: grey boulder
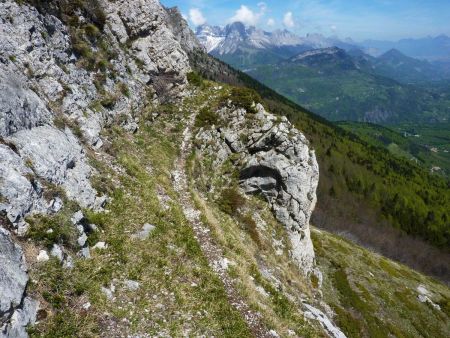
(16, 310)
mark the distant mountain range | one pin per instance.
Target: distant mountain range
(243, 46)
(238, 38)
(429, 48)
(337, 79)
(396, 65)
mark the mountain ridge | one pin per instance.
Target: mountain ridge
(235, 43)
(412, 47)
(237, 38)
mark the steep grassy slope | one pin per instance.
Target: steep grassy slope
(370, 295)
(375, 297)
(380, 198)
(162, 285)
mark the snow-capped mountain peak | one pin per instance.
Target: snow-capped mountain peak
(228, 39)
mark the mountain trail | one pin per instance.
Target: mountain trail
(210, 249)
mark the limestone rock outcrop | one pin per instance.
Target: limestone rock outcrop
(57, 157)
(277, 163)
(19, 194)
(145, 24)
(20, 107)
(182, 32)
(16, 310)
(52, 106)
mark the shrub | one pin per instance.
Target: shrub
(206, 118)
(332, 192)
(29, 163)
(91, 31)
(108, 101)
(348, 323)
(314, 281)
(445, 306)
(102, 64)
(81, 48)
(251, 228)
(195, 79)
(124, 89)
(231, 200)
(167, 109)
(52, 191)
(76, 130)
(51, 229)
(59, 121)
(245, 98)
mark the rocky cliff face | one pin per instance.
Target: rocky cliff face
(275, 161)
(184, 35)
(48, 94)
(66, 75)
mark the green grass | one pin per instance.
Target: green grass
(244, 97)
(375, 297)
(178, 288)
(206, 118)
(195, 79)
(231, 200)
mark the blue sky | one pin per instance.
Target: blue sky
(363, 19)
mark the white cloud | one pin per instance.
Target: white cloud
(196, 17)
(262, 7)
(333, 28)
(246, 16)
(288, 20)
(271, 22)
(249, 17)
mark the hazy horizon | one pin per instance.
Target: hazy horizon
(359, 20)
(302, 34)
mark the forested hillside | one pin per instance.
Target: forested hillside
(426, 145)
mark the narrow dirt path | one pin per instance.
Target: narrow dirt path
(210, 249)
